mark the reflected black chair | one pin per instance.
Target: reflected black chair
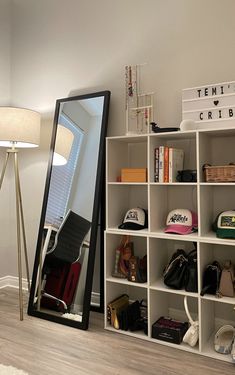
(66, 250)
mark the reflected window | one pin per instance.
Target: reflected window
(62, 176)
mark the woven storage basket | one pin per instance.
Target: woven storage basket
(224, 173)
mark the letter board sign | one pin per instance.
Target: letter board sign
(211, 105)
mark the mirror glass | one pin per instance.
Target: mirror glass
(65, 257)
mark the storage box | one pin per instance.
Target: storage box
(133, 175)
(225, 173)
(170, 330)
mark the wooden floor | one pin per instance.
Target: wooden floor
(44, 348)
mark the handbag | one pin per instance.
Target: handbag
(137, 269)
(174, 273)
(226, 285)
(126, 251)
(191, 279)
(211, 278)
(192, 335)
(115, 307)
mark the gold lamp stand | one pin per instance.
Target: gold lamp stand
(20, 223)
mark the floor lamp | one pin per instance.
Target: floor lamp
(19, 128)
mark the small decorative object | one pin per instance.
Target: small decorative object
(157, 129)
(209, 106)
(187, 175)
(139, 106)
(133, 175)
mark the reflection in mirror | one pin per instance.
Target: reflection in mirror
(64, 263)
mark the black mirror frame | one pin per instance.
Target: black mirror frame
(97, 197)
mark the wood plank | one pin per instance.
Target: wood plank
(45, 348)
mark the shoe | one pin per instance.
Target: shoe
(224, 337)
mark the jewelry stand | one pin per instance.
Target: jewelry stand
(19, 221)
(139, 107)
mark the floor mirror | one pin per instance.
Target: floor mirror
(71, 219)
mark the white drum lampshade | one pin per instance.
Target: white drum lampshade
(64, 141)
(20, 127)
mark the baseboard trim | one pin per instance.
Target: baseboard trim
(12, 282)
(95, 299)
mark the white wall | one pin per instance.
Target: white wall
(5, 71)
(5, 48)
(66, 47)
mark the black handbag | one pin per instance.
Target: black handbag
(174, 273)
(191, 283)
(211, 279)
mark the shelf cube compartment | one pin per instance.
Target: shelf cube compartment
(215, 315)
(216, 148)
(122, 198)
(208, 253)
(167, 198)
(160, 254)
(130, 152)
(135, 293)
(113, 241)
(165, 305)
(180, 141)
(214, 200)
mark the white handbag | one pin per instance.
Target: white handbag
(192, 335)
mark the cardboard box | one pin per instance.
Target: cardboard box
(169, 330)
(133, 174)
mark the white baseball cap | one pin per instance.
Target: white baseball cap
(181, 221)
(135, 218)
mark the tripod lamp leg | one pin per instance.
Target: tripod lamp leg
(22, 221)
(18, 239)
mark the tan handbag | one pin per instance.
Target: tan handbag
(226, 286)
(115, 307)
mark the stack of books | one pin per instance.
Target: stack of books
(167, 162)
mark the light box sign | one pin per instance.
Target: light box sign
(213, 103)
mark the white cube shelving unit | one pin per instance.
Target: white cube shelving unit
(214, 146)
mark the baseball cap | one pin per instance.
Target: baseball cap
(135, 218)
(181, 221)
(224, 224)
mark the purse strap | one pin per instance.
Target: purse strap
(191, 321)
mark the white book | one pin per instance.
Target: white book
(161, 164)
(176, 163)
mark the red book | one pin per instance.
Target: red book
(166, 164)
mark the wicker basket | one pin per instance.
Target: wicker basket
(225, 173)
